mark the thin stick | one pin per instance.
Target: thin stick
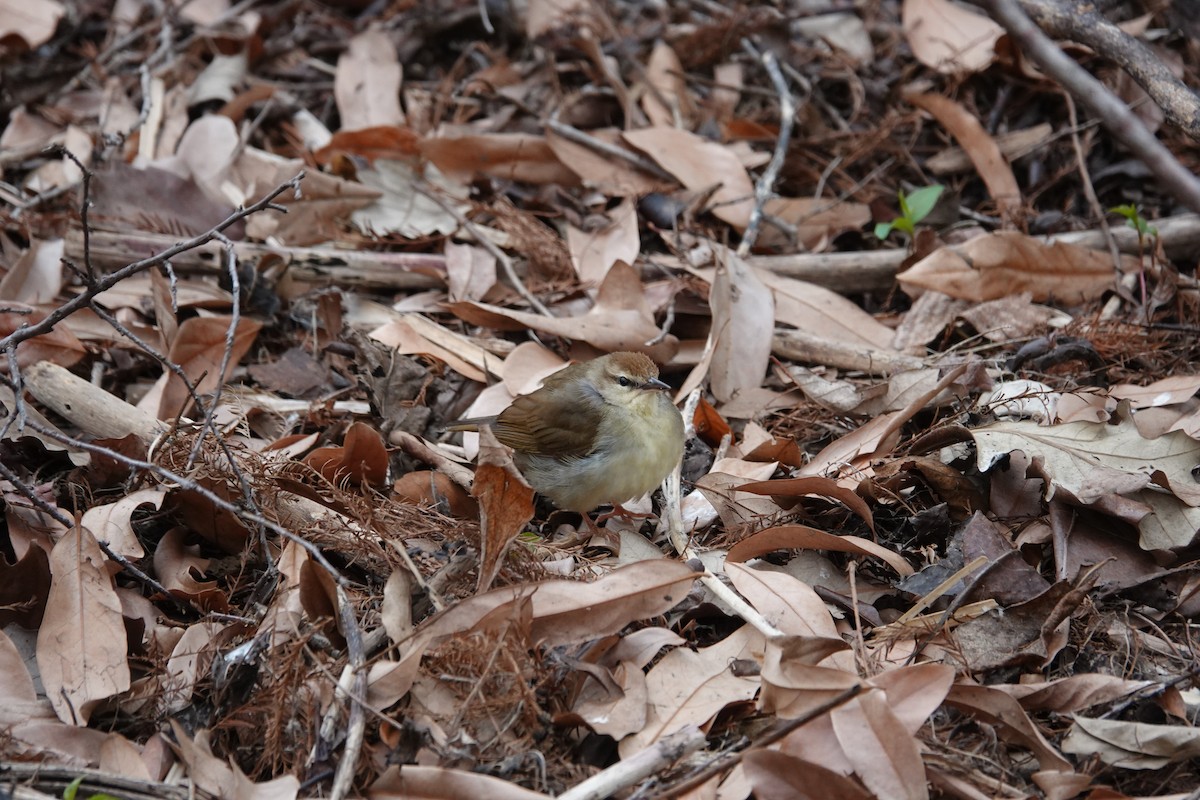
(766, 181)
(1115, 115)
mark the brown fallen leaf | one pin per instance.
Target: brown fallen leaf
(982, 149)
(797, 537)
(367, 82)
(505, 505)
(81, 644)
(620, 320)
(360, 461)
(949, 37)
(701, 165)
(1006, 262)
(198, 349)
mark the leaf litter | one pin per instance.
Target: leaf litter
(934, 533)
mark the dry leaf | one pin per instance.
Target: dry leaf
(594, 252)
(507, 156)
(690, 687)
(198, 349)
(795, 537)
(361, 460)
(620, 320)
(949, 37)
(981, 148)
(367, 82)
(81, 648)
(743, 328)
(505, 505)
(701, 165)
(1006, 262)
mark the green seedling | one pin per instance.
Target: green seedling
(73, 788)
(1135, 220)
(913, 208)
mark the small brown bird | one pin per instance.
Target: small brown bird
(603, 431)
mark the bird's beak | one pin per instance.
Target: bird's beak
(655, 385)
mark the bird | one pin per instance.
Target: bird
(598, 432)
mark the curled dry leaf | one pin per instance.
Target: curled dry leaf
(812, 485)
(1006, 262)
(111, 523)
(982, 149)
(505, 505)
(802, 537)
(360, 461)
(81, 645)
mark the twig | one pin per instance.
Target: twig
(766, 181)
(343, 779)
(85, 298)
(1115, 115)
(1085, 177)
(723, 764)
(487, 244)
(1082, 23)
(628, 771)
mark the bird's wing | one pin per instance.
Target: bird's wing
(559, 422)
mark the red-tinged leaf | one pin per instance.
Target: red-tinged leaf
(505, 505)
(778, 776)
(360, 461)
(59, 346)
(431, 488)
(802, 537)
(813, 485)
(508, 156)
(710, 425)
(81, 646)
(386, 142)
(198, 349)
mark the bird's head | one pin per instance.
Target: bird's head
(628, 380)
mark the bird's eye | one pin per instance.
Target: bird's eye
(624, 381)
